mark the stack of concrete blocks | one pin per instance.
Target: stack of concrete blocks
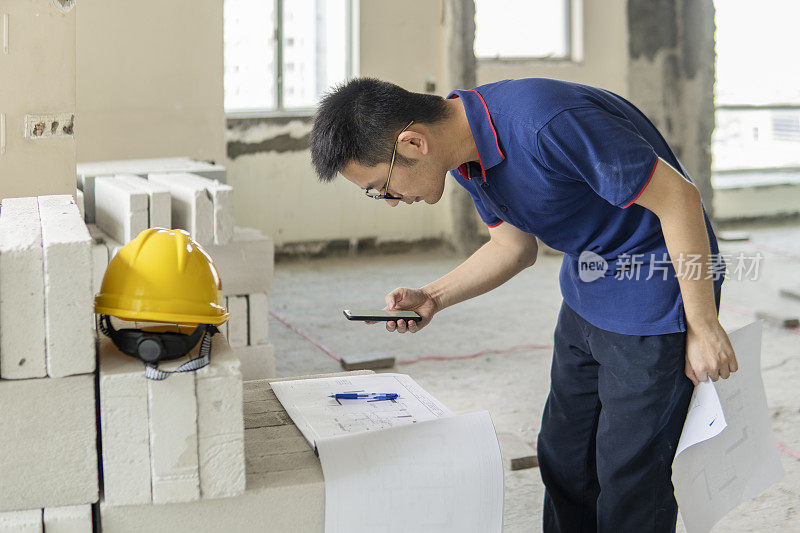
(285, 491)
(246, 268)
(125, 204)
(48, 466)
(87, 173)
(170, 441)
(244, 258)
(202, 206)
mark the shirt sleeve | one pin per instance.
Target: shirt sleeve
(489, 218)
(602, 149)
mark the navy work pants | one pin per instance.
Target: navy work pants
(610, 428)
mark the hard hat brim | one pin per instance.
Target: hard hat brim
(171, 318)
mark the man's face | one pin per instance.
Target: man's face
(411, 184)
(423, 180)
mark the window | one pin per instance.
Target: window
(282, 55)
(510, 29)
(757, 135)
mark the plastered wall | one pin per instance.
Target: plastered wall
(149, 79)
(37, 78)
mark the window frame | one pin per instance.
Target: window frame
(278, 111)
(718, 176)
(574, 43)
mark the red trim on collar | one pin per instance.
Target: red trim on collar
(483, 170)
(463, 169)
(491, 125)
(495, 225)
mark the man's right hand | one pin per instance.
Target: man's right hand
(405, 299)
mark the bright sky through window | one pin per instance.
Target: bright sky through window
(757, 46)
(518, 29)
(315, 49)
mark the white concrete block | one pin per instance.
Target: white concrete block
(222, 198)
(112, 247)
(29, 521)
(285, 491)
(22, 330)
(125, 428)
(220, 425)
(48, 442)
(192, 207)
(291, 500)
(79, 201)
(99, 264)
(258, 316)
(237, 323)
(96, 233)
(74, 519)
(99, 237)
(99, 258)
(86, 186)
(69, 297)
(143, 167)
(258, 361)
(121, 210)
(159, 200)
(246, 264)
(173, 438)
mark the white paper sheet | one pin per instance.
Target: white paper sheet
(715, 475)
(317, 416)
(705, 418)
(440, 476)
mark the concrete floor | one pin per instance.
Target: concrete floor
(513, 386)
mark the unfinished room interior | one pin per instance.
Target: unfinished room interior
(205, 326)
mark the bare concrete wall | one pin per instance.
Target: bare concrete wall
(37, 73)
(671, 78)
(149, 79)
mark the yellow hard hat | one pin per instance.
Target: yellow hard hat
(162, 276)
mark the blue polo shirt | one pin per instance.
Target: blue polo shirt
(565, 162)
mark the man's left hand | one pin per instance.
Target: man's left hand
(709, 353)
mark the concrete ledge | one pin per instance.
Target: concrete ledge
(732, 203)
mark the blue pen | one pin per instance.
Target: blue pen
(366, 396)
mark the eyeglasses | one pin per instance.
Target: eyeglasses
(378, 195)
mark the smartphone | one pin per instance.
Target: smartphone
(380, 316)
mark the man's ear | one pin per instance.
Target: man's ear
(412, 144)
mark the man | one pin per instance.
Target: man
(589, 174)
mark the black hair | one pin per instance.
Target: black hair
(359, 121)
